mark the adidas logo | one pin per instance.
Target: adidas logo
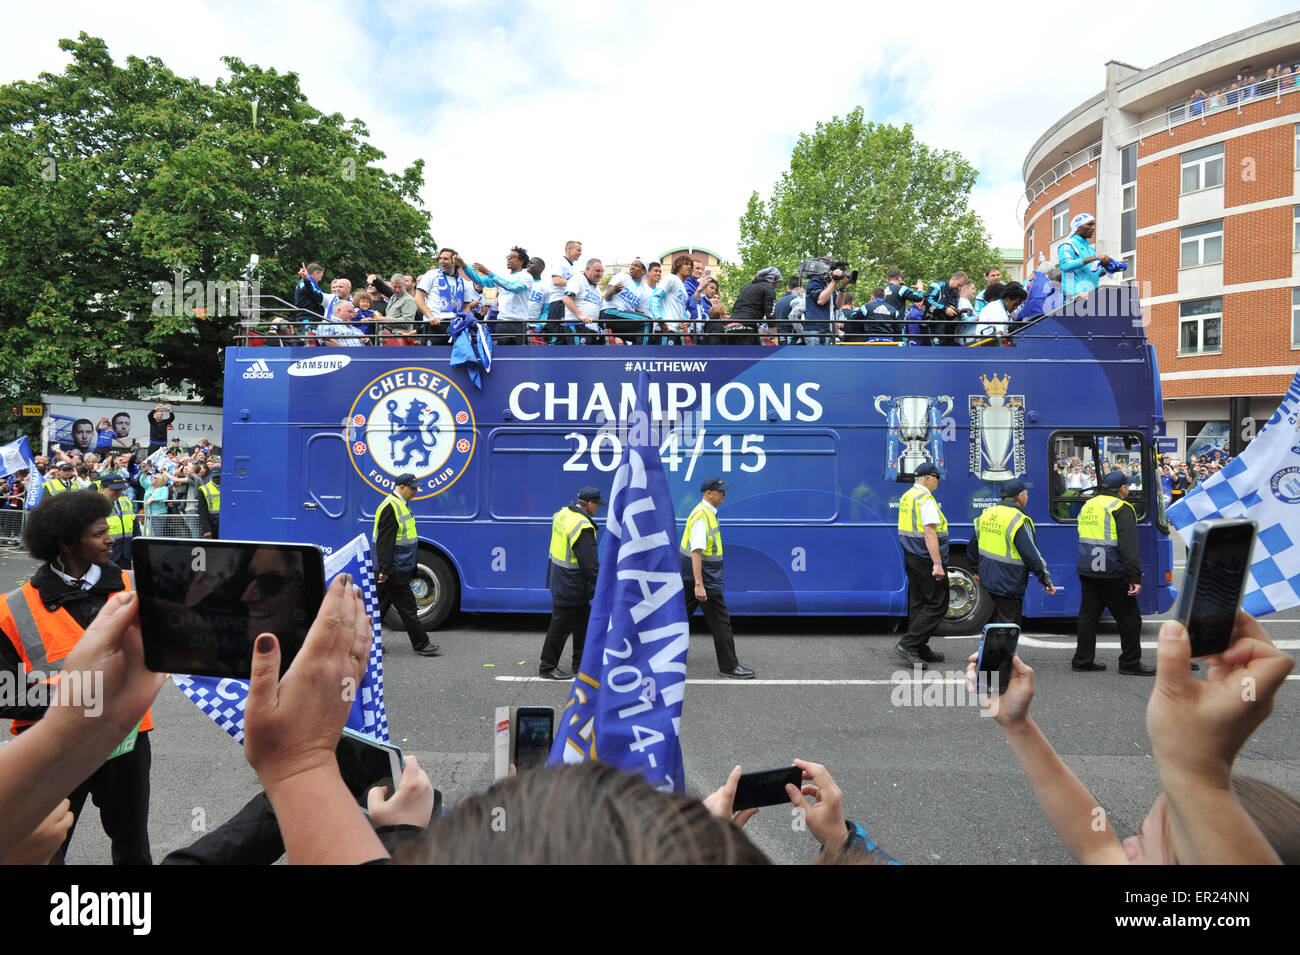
(259, 369)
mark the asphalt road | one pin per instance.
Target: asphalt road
(932, 784)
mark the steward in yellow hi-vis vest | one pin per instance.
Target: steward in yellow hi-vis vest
(1004, 550)
(396, 555)
(1110, 576)
(210, 505)
(121, 523)
(923, 536)
(58, 479)
(571, 569)
(701, 551)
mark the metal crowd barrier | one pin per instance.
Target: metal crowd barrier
(169, 525)
(11, 525)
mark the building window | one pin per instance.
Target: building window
(1200, 327)
(1295, 243)
(1060, 220)
(1029, 259)
(1201, 244)
(1203, 168)
(1297, 145)
(1295, 318)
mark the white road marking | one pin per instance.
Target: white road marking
(726, 682)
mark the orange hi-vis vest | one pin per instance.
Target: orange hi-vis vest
(43, 638)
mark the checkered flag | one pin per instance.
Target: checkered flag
(1263, 485)
(223, 700)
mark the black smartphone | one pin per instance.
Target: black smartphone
(203, 602)
(765, 788)
(1218, 560)
(534, 732)
(365, 762)
(993, 668)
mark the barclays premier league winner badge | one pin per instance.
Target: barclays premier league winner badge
(411, 419)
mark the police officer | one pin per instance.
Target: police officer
(923, 534)
(60, 482)
(44, 620)
(121, 522)
(571, 575)
(1110, 576)
(1004, 550)
(396, 549)
(701, 551)
(210, 505)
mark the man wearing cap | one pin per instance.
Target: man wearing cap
(1004, 551)
(571, 576)
(923, 534)
(701, 551)
(210, 505)
(1110, 576)
(121, 522)
(61, 478)
(396, 550)
(1081, 266)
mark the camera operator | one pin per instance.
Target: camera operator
(941, 303)
(820, 298)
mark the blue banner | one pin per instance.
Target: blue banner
(223, 700)
(625, 708)
(17, 456)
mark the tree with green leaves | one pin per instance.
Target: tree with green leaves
(872, 195)
(121, 183)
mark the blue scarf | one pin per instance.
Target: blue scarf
(451, 300)
(471, 346)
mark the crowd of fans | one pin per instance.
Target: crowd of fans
(591, 813)
(1245, 87)
(575, 302)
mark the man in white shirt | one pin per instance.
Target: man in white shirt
(513, 292)
(440, 296)
(627, 302)
(539, 297)
(561, 274)
(582, 301)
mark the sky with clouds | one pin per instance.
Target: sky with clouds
(639, 127)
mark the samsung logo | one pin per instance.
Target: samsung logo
(318, 366)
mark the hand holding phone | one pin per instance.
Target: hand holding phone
(1218, 559)
(993, 665)
(366, 763)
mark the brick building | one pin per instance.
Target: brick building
(1192, 169)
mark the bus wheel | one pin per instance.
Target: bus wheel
(969, 605)
(436, 589)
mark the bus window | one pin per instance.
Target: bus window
(1080, 460)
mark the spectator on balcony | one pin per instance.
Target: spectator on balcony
(1198, 102)
(342, 331)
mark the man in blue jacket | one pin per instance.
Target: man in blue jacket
(1005, 552)
(1081, 266)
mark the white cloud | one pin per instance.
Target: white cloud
(640, 127)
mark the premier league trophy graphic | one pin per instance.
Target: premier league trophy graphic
(914, 433)
(997, 431)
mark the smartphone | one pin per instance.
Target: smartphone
(1218, 559)
(203, 602)
(365, 762)
(533, 732)
(997, 647)
(765, 788)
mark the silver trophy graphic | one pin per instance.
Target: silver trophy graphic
(911, 414)
(996, 431)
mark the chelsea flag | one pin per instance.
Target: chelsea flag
(625, 708)
(1263, 485)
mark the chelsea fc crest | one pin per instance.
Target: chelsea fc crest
(411, 419)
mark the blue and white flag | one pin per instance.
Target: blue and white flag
(223, 700)
(17, 456)
(1262, 484)
(625, 708)
(471, 346)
